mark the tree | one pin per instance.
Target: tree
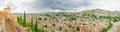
(36, 26)
(78, 28)
(45, 18)
(40, 18)
(24, 20)
(32, 25)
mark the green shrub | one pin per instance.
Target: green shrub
(53, 24)
(40, 18)
(45, 26)
(78, 28)
(45, 18)
(60, 28)
(19, 20)
(69, 25)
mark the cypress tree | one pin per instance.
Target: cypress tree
(32, 25)
(36, 26)
(24, 20)
(18, 20)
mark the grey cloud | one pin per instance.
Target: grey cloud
(60, 4)
(38, 5)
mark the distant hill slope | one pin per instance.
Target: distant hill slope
(100, 11)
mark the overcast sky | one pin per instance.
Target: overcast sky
(39, 6)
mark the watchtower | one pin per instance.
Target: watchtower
(7, 9)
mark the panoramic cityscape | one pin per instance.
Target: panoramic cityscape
(59, 16)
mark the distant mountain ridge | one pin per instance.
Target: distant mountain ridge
(94, 11)
(100, 11)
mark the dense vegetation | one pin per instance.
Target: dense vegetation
(31, 26)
